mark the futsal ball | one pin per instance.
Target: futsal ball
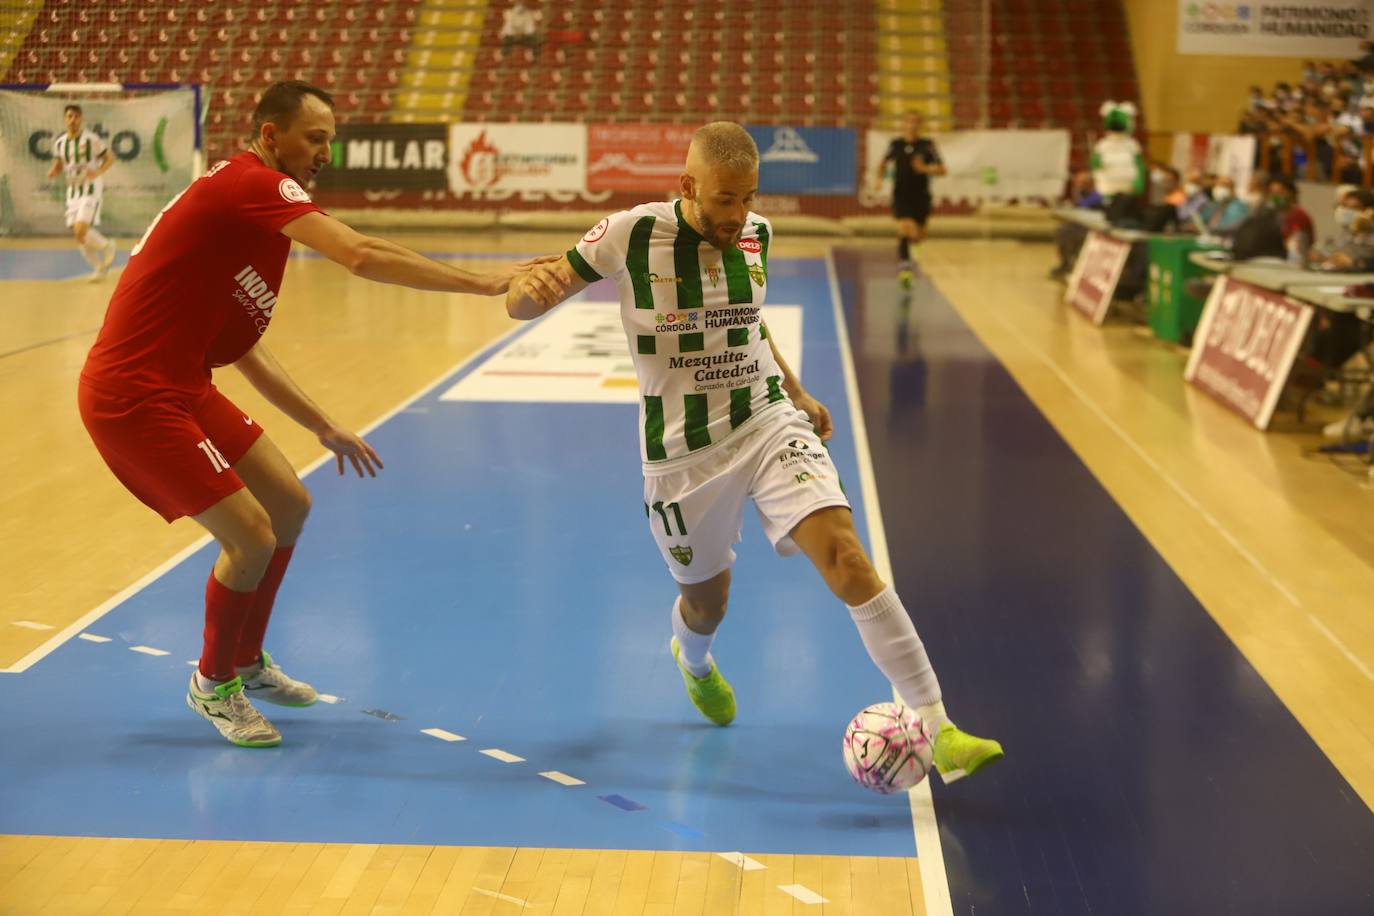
(887, 748)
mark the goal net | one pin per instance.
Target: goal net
(153, 133)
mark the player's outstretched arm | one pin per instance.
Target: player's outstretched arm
(264, 373)
(386, 262)
(533, 293)
(801, 399)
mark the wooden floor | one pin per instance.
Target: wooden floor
(1276, 545)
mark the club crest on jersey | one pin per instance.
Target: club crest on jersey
(682, 554)
(713, 274)
(752, 246)
(758, 274)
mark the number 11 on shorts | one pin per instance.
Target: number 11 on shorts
(216, 459)
(662, 511)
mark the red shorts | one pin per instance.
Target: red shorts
(175, 453)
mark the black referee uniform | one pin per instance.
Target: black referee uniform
(911, 189)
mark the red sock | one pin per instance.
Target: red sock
(255, 624)
(225, 612)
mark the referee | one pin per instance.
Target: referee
(915, 159)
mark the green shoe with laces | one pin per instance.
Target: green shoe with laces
(711, 694)
(959, 754)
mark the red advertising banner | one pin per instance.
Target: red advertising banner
(1245, 346)
(636, 157)
(1095, 274)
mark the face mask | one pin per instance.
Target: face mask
(1221, 193)
(1191, 188)
(1328, 90)
(1344, 216)
(1159, 176)
(1278, 201)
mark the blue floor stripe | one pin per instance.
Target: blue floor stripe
(1150, 769)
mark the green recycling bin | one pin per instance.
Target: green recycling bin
(1173, 314)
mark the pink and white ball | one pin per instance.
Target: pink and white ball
(887, 748)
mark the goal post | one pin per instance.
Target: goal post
(154, 130)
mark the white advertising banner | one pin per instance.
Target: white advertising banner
(984, 165)
(517, 157)
(1220, 154)
(151, 136)
(1292, 28)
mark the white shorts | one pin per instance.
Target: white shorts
(83, 209)
(695, 511)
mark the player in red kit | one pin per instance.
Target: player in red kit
(199, 292)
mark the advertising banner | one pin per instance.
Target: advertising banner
(636, 157)
(517, 157)
(152, 138)
(1245, 346)
(387, 156)
(807, 160)
(1294, 28)
(1095, 275)
(986, 164)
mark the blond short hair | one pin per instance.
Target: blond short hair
(725, 143)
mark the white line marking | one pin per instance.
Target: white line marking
(743, 861)
(91, 637)
(441, 734)
(504, 756)
(804, 894)
(505, 897)
(67, 632)
(329, 698)
(194, 663)
(148, 650)
(33, 625)
(563, 779)
(1185, 495)
(929, 854)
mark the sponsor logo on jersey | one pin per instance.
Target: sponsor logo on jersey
(257, 298)
(293, 192)
(758, 274)
(713, 274)
(682, 554)
(798, 444)
(806, 476)
(663, 278)
(731, 317)
(676, 321)
(596, 232)
(753, 246)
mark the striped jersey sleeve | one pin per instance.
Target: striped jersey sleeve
(602, 251)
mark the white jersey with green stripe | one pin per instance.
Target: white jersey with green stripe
(692, 318)
(77, 155)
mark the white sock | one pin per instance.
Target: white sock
(693, 648)
(95, 239)
(92, 255)
(205, 685)
(934, 716)
(891, 640)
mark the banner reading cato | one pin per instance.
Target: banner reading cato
(636, 157)
(517, 157)
(1292, 28)
(1095, 275)
(1245, 346)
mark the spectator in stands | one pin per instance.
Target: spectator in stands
(1224, 212)
(1253, 195)
(1365, 62)
(1353, 246)
(1165, 186)
(1083, 194)
(1197, 194)
(520, 26)
(1069, 236)
(1256, 98)
(1295, 222)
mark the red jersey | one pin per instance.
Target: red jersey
(202, 283)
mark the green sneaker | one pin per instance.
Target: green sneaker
(905, 277)
(711, 694)
(959, 754)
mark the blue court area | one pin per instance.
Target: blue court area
(1150, 769)
(497, 582)
(60, 262)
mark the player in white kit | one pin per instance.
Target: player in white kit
(723, 419)
(84, 156)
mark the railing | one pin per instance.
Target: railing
(1279, 153)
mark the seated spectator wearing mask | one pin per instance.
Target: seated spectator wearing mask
(1082, 192)
(1294, 222)
(1224, 212)
(1196, 191)
(1353, 247)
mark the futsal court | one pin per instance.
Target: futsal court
(505, 729)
